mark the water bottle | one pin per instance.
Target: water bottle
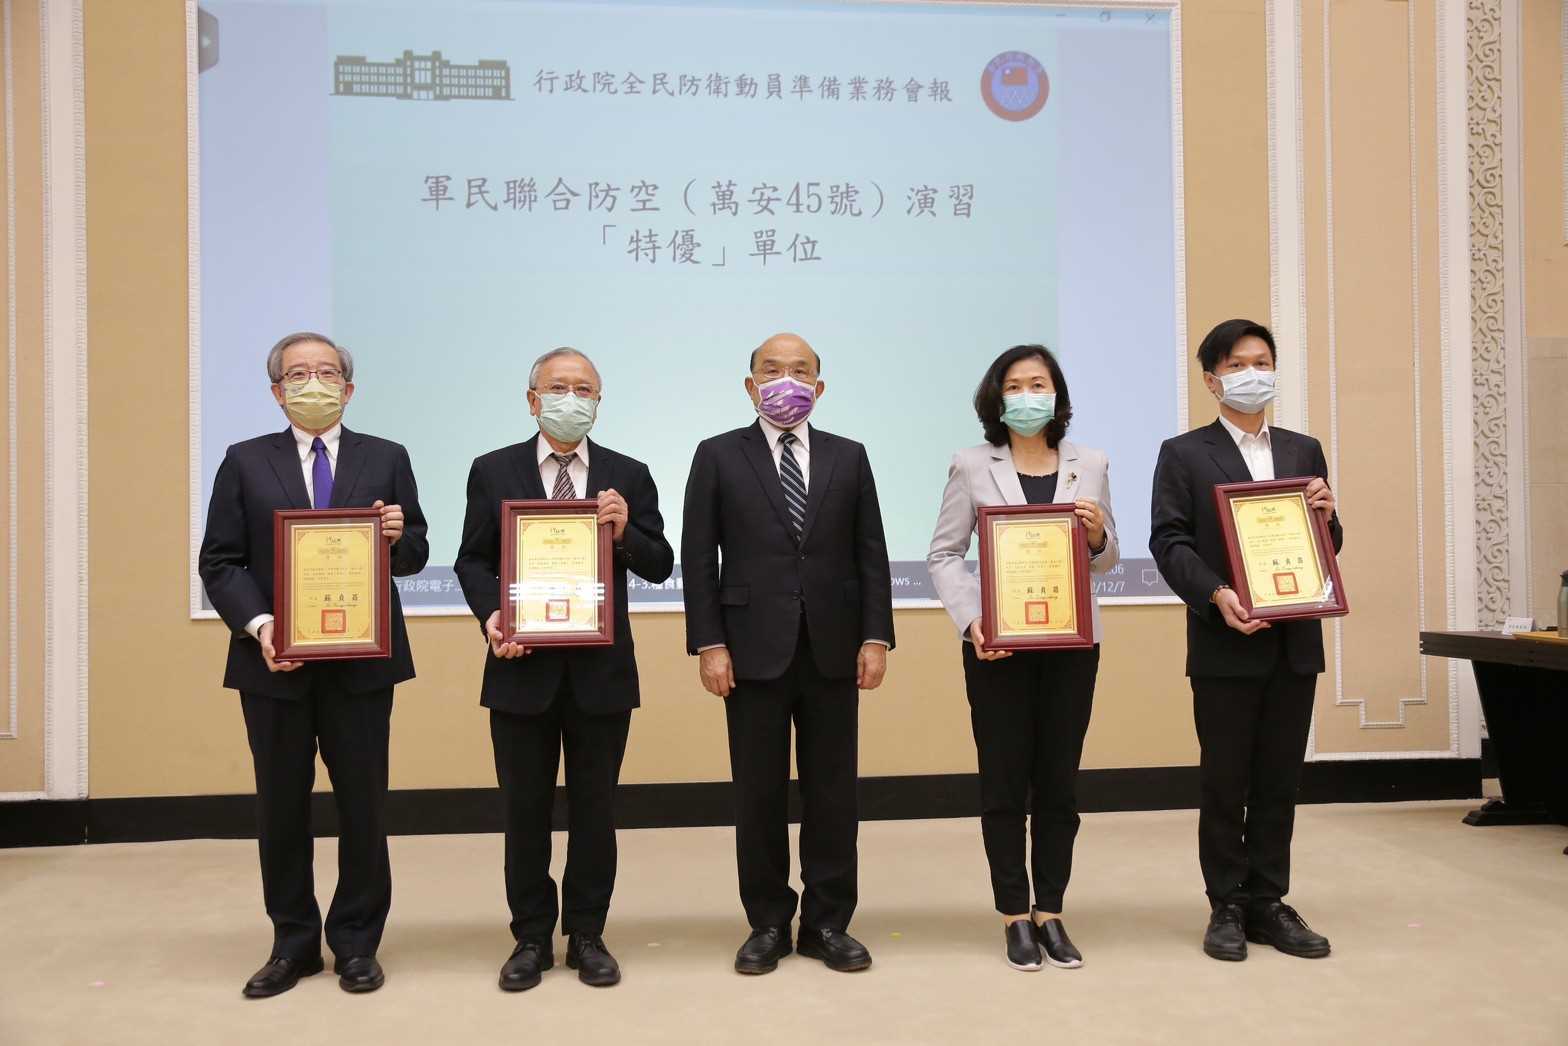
(1562, 608)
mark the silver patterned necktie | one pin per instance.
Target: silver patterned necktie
(564, 491)
(794, 482)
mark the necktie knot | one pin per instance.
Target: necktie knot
(787, 438)
(563, 460)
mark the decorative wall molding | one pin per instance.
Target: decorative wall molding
(13, 637)
(1287, 208)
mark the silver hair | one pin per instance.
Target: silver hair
(564, 350)
(275, 357)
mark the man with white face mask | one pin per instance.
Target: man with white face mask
(291, 707)
(789, 627)
(546, 699)
(1252, 681)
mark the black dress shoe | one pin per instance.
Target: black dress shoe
(586, 953)
(528, 962)
(1058, 947)
(1276, 923)
(359, 973)
(1226, 937)
(1023, 948)
(763, 950)
(838, 950)
(279, 975)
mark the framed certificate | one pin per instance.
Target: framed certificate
(1034, 578)
(331, 586)
(1282, 561)
(555, 574)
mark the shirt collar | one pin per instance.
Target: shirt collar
(772, 432)
(303, 440)
(1238, 435)
(545, 451)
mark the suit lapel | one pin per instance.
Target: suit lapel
(351, 458)
(824, 456)
(525, 463)
(1005, 473)
(1066, 472)
(284, 459)
(755, 446)
(1282, 446)
(1226, 454)
(598, 471)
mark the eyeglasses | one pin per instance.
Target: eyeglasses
(300, 375)
(586, 392)
(800, 372)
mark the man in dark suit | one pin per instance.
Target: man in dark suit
(542, 699)
(1252, 681)
(797, 617)
(290, 707)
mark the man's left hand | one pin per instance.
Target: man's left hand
(391, 521)
(870, 666)
(612, 510)
(1320, 497)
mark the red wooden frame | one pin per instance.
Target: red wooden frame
(605, 634)
(1336, 606)
(1084, 608)
(283, 521)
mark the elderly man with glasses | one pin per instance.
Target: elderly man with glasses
(291, 707)
(542, 700)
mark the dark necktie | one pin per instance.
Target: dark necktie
(320, 475)
(794, 483)
(564, 491)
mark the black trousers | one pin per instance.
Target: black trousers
(1253, 735)
(1030, 713)
(527, 758)
(826, 716)
(353, 731)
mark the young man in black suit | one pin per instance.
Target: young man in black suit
(290, 707)
(543, 699)
(1252, 681)
(798, 616)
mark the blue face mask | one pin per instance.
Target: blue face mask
(566, 417)
(1026, 413)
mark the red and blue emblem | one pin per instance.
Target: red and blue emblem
(1014, 85)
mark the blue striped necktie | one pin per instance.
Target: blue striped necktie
(794, 483)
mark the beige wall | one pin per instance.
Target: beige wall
(1545, 244)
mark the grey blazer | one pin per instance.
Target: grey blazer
(985, 475)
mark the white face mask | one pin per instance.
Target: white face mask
(1248, 391)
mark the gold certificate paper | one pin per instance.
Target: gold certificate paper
(1035, 587)
(333, 585)
(1279, 550)
(556, 586)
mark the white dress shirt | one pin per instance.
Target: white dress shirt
(577, 470)
(1257, 451)
(307, 464)
(802, 447)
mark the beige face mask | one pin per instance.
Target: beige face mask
(313, 405)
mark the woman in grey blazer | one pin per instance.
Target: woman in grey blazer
(1029, 709)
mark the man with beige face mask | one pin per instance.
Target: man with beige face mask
(291, 707)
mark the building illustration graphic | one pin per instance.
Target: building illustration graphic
(421, 77)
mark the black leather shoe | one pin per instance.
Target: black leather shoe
(1277, 923)
(1058, 947)
(763, 950)
(279, 975)
(586, 953)
(1023, 948)
(1226, 937)
(526, 966)
(838, 950)
(359, 973)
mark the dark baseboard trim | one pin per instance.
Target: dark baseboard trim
(439, 811)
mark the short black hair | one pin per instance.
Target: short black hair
(988, 396)
(752, 365)
(1219, 342)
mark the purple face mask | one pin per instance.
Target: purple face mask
(786, 402)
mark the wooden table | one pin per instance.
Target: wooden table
(1524, 693)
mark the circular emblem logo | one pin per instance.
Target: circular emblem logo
(1014, 85)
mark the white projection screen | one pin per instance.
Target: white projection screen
(451, 187)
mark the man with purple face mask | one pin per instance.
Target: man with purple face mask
(794, 623)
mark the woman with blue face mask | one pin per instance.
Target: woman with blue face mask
(1029, 708)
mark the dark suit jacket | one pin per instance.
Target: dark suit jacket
(839, 570)
(1186, 540)
(236, 560)
(602, 679)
